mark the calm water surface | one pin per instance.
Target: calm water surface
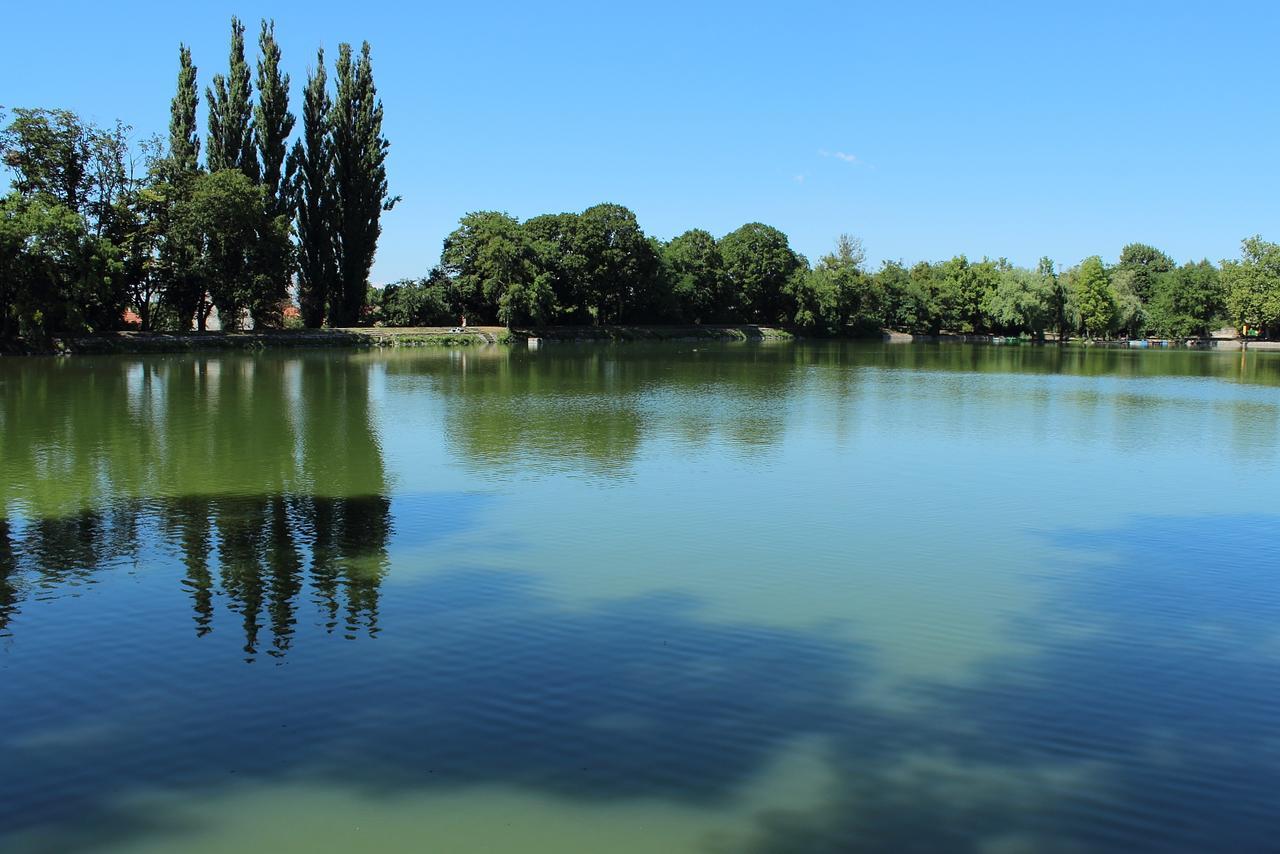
(738, 598)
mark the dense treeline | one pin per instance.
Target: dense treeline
(92, 227)
(265, 217)
(599, 267)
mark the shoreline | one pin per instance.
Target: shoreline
(133, 342)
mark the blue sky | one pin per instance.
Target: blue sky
(927, 129)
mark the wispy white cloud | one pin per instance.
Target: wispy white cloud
(799, 179)
(841, 155)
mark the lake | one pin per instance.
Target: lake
(753, 597)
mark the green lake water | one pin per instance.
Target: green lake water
(641, 598)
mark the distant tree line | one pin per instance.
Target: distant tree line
(92, 227)
(255, 217)
(599, 267)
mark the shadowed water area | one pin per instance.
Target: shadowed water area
(759, 597)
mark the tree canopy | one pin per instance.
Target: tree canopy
(262, 212)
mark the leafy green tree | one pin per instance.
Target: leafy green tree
(231, 113)
(490, 261)
(1020, 302)
(65, 170)
(242, 247)
(556, 246)
(140, 246)
(1186, 301)
(695, 267)
(855, 297)
(655, 300)
(837, 296)
(272, 125)
(1139, 268)
(697, 272)
(529, 300)
(814, 295)
(963, 290)
(421, 302)
(758, 265)
(120, 212)
(135, 227)
(1095, 298)
(55, 276)
(315, 203)
(56, 155)
(619, 262)
(1253, 285)
(1131, 314)
(360, 195)
(1057, 297)
(48, 152)
(907, 296)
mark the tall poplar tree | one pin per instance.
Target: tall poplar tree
(313, 156)
(231, 114)
(272, 123)
(179, 248)
(184, 139)
(359, 181)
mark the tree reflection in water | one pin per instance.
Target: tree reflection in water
(257, 553)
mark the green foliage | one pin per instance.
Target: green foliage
(1186, 301)
(55, 276)
(67, 219)
(909, 297)
(243, 247)
(231, 114)
(421, 302)
(489, 259)
(54, 155)
(1095, 299)
(556, 246)
(177, 248)
(1253, 285)
(359, 182)
(48, 153)
(312, 158)
(758, 265)
(1139, 268)
(962, 291)
(184, 139)
(1057, 296)
(178, 263)
(619, 262)
(696, 271)
(1021, 301)
(180, 241)
(837, 297)
(1130, 310)
(85, 234)
(272, 124)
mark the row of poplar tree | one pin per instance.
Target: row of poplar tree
(598, 266)
(92, 228)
